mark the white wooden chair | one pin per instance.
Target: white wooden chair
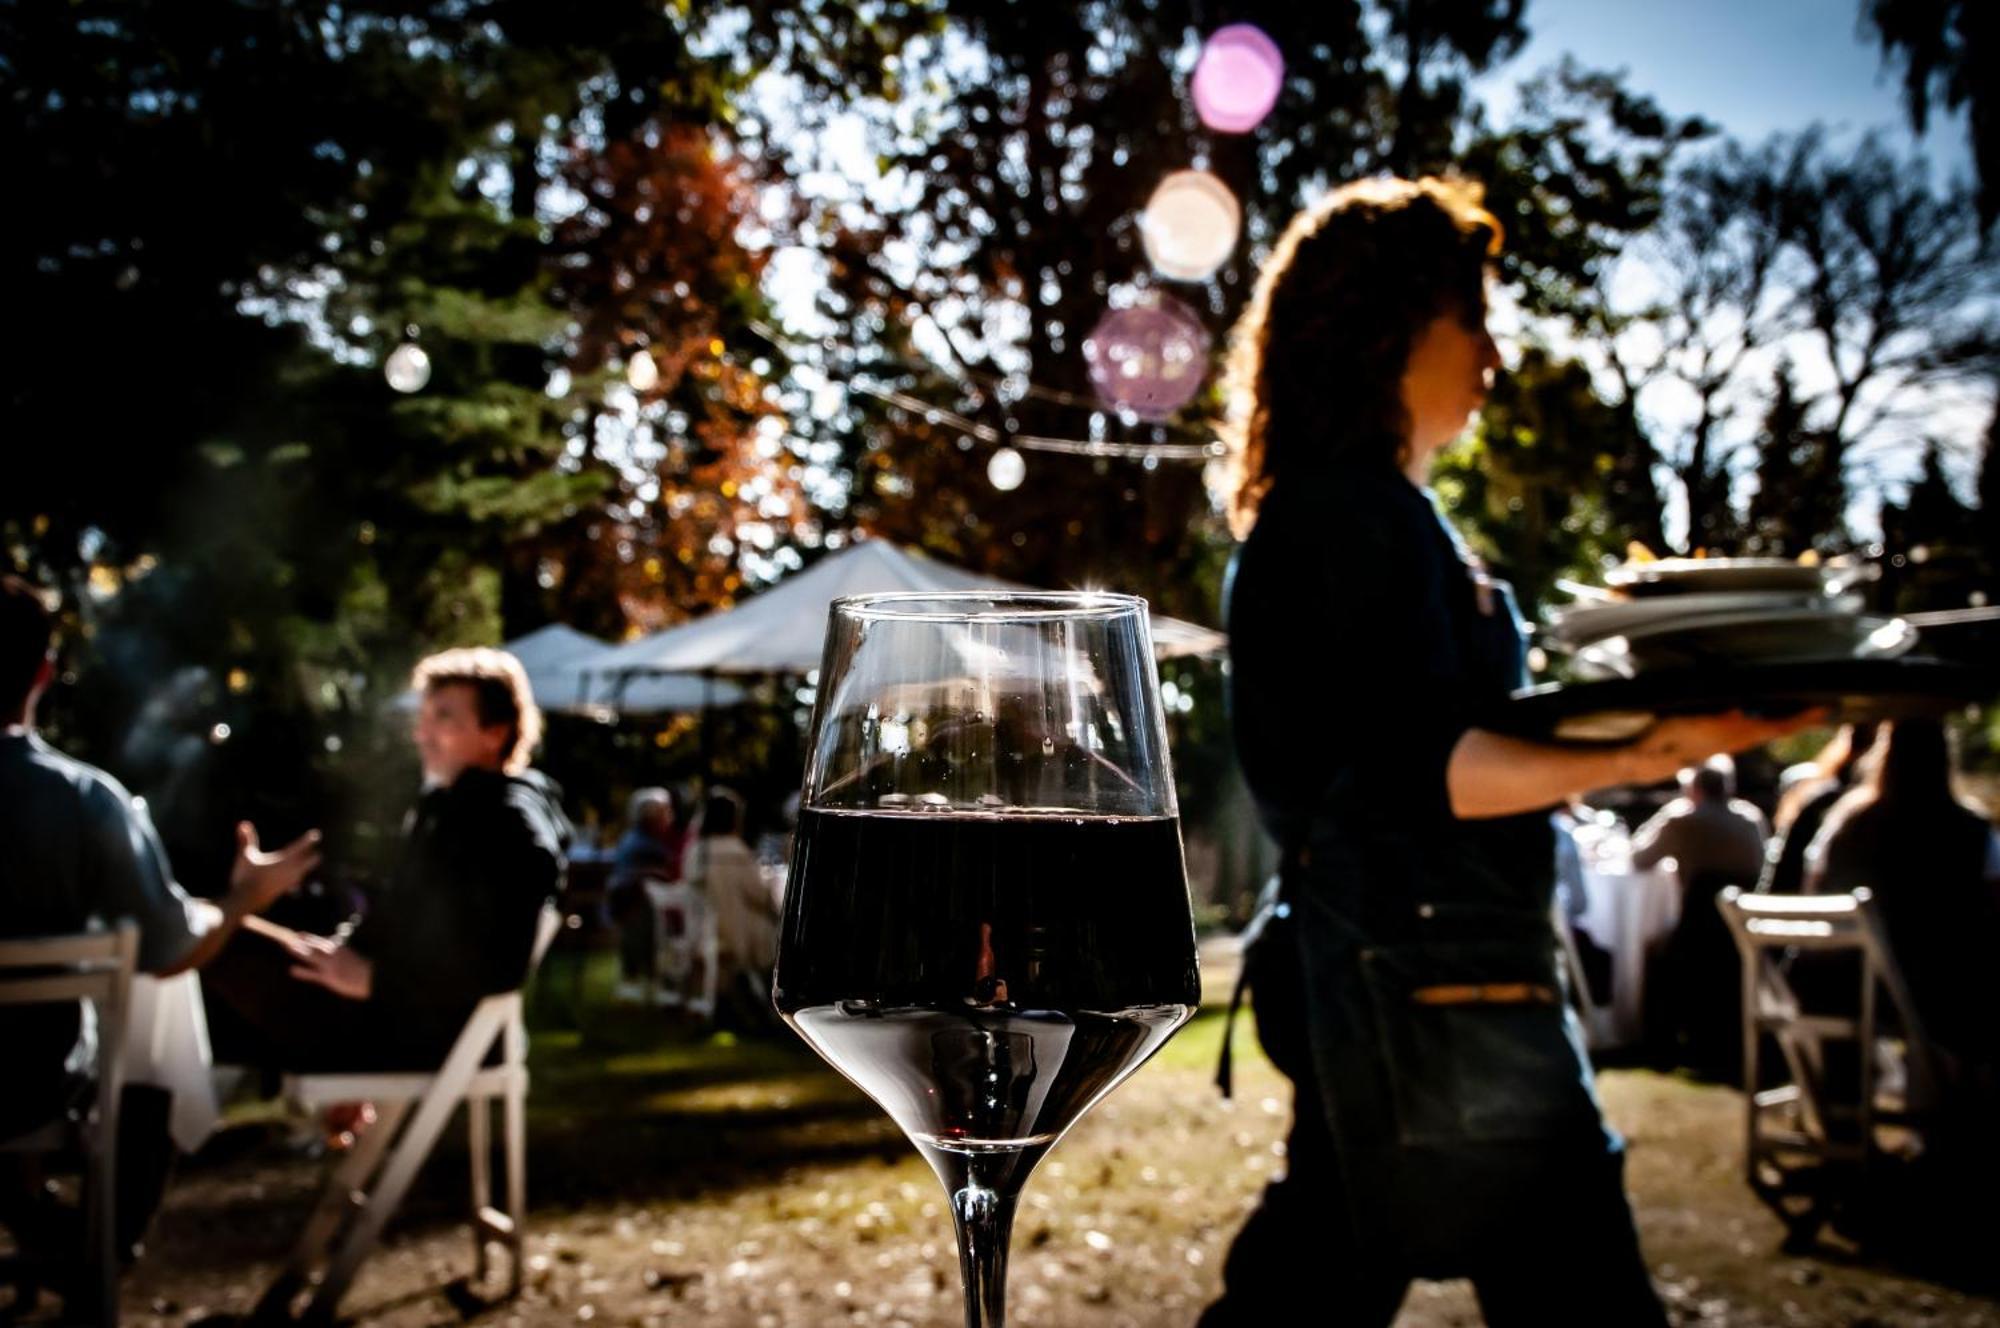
(97, 967)
(687, 946)
(1804, 1129)
(414, 1110)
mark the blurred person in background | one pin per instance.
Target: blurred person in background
(1932, 861)
(1806, 800)
(78, 851)
(651, 849)
(1694, 997)
(746, 910)
(483, 849)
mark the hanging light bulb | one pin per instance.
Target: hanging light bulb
(1190, 225)
(1006, 470)
(1237, 80)
(642, 371)
(407, 368)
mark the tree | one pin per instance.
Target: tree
(1942, 45)
(1535, 486)
(1889, 283)
(238, 212)
(1849, 263)
(1800, 502)
(1019, 154)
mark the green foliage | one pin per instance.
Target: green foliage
(1532, 486)
(1801, 500)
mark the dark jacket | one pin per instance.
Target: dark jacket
(456, 920)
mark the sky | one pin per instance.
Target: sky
(1754, 66)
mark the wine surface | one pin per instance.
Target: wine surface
(986, 978)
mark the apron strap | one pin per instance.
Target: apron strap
(1270, 905)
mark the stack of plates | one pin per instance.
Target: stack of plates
(1687, 612)
(1686, 635)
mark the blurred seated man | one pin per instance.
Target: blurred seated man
(482, 851)
(1693, 987)
(650, 849)
(77, 849)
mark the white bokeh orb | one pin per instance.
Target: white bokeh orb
(1006, 469)
(407, 368)
(1190, 225)
(642, 371)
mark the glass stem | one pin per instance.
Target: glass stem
(983, 1211)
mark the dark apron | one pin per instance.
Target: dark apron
(1421, 990)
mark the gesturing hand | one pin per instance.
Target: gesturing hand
(258, 878)
(332, 965)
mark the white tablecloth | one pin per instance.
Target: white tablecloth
(166, 1045)
(1626, 911)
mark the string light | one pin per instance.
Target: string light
(986, 433)
(1006, 470)
(642, 372)
(407, 368)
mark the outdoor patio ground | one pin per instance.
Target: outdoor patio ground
(680, 1181)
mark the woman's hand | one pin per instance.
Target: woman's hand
(1684, 740)
(1489, 774)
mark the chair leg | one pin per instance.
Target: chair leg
(479, 1139)
(515, 1123)
(345, 1190)
(102, 1224)
(446, 1090)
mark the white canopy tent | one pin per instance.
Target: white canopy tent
(782, 630)
(560, 663)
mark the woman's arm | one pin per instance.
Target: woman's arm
(1491, 774)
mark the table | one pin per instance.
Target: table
(166, 1046)
(1627, 910)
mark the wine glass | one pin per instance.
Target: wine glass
(986, 923)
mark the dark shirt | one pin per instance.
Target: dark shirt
(1358, 657)
(1927, 868)
(76, 850)
(1785, 860)
(456, 921)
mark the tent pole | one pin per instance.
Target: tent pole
(707, 709)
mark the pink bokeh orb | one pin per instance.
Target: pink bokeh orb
(1237, 79)
(1149, 358)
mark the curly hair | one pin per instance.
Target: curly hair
(501, 693)
(1316, 361)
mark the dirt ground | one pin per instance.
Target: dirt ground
(680, 1181)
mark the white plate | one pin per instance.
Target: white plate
(1690, 575)
(1796, 636)
(1580, 624)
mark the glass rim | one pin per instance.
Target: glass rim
(997, 605)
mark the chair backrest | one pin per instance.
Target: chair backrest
(1765, 927)
(546, 927)
(95, 966)
(687, 943)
